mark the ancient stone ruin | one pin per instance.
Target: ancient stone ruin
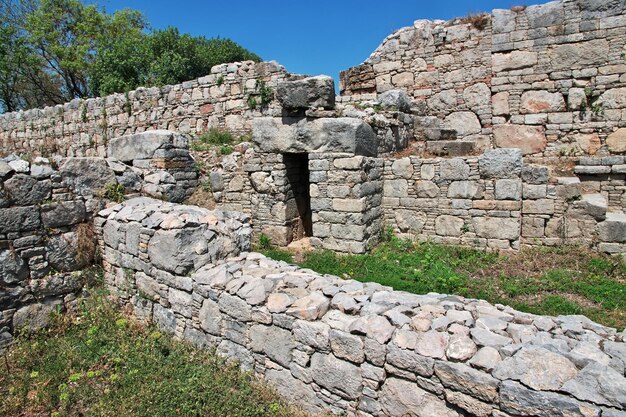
(496, 131)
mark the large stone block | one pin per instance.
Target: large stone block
(338, 376)
(87, 176)
(570, 56)
(616, 142)
(24, 190)
(399, 397)
(449, 226)
(13, 269)
(497, 227)
(541, 102)
(463, 122)
(308, 92)
(178, 250)
(530, 139)
(143, 145)
(63, 213)
(19, 219)
(613, 229)
(513, 60)
(341, 135)
(274, 342)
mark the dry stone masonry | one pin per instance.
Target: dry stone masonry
(343, 346)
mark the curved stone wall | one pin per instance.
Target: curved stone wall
(344, 346)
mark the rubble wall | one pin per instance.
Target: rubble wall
(346, 347)
(83, 127)
(548, 79)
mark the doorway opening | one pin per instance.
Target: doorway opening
(298, 199)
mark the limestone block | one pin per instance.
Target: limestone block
(402, 168)
(513, 60)
(63, 213)
(508, 189)
(541, 102)
(568, 56)
(530, 139)
(342, 134)
(308, 92)
(19, 219)
(403, 79)
(13, 269)
(443, 101)
(500, 104)
(497, 227)
(274, 342)
(24, 190)
(395, 100)
(399, 397)
(465, 189)
(409, 221)
(613, 98)
(396, 188)
(143, 145)
(613, 229)
(454, 169)
(616, 141)
(87, 175)
(463, 122)
(338, 376)
(449, 226)
(477, 96)
(426, 189)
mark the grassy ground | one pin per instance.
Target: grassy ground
(98, 362)
(553, 281)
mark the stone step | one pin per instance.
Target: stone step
(450, 147)
(440, 134)
(596, 205)
(613, 229)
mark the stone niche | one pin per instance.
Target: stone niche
(316, 173)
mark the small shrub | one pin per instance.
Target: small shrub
(216, 137)
(85, 243)
(220, 80)
(114, 192)
(478, 21)
(226, 150)
(252, 102)
(265, 242)
(266, 93)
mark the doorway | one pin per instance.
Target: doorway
(298, 199)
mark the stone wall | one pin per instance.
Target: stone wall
(497, 201)
(46, 238)
(548, 79)
(83, 127)
(347, 347)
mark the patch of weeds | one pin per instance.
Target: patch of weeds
(262, 95)
(226, 150)
(252, 102)
(478, 21)
(114, 192)
(264, 242)
(85, 243)
(100, 362)
(220, 80)
(210, 139)
(278, 255)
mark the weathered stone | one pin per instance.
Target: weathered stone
(529, 139)
(599, 384)
(314, 334)
(536, 368)
(337, 376)
(449, 225)
(88, 176)
(63, 254)
(569, 56)
(279, 302)
(460, 348)
(395, 99)
(402, 168)
(484, 337)
(497, 227)
(35, 316)
(462, 378)
(272, 341)
(464, 189)
(177, 250)
(235, 307)
(477, 96)
(486, 358)
(342, 134)
(454, 169)
(616, 141)
(500, 163)
(13, 269)
(311, 307)
(409, 360)
(294, 390)
(432, 344)
(509, 189)
(347, 346)
(519, 400)
(399, 398)
(541, 102)
(410, 221)
(143, 145)
(613, 229)
(500, 104)
(210, 317)
(63, 213)
(463, 122)
(24, 190)
(426, 189)
(469, 404)
(513, 60)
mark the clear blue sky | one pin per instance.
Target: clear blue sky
(307, 37)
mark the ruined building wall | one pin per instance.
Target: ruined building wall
(83, 127)
(548, 79)
(341, 346)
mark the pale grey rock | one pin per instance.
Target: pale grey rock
(484, 337)
(234, 352)
(598, 384)
(180, 302)
(13, 269)
(513, 60)
(449, 225)
(337, 376)
(375, 327)
(568, 56)
(347, 346)
(294, 390)
(463, 378)
(36, 316)
(314, 334)
(541, 102)
(274, 342)
(5, 169)
(395, 99)
(235, 307)
(311, 307)
(308, 92)
(486, 358)
(426, 189)
(432, 344)
(519, 400)
(477, 97)
(279, 302)
(19, 166)
(399, 398)
(454, 169)
(471, 405)
(497, 227)
(460, 348)
(536, 368)
(87, 176)
(177, 250)
(509, 189)
(144, 145)
(402, 167)
(464, 189)
(463, 122)
(500, 163)
(340, 134)
(409, 360)
(345, 303)
(613, 229)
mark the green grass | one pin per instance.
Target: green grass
(211, 139)
(552, 281)
(98, 362)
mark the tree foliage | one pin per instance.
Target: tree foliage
(52, 51)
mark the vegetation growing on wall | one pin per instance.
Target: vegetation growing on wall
(52, 51)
